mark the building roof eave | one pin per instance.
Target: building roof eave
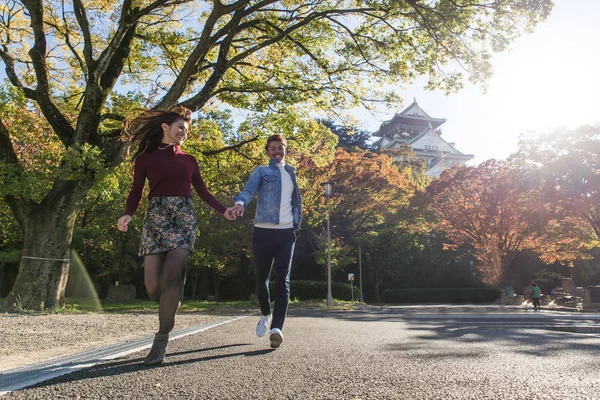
(438, 162)
(419, 115)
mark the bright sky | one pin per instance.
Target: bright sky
(547, 79)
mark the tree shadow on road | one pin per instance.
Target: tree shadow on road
(533, 341)
(538, 335)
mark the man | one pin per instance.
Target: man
(278, 215)
(535, 296)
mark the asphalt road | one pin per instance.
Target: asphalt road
(369, 354)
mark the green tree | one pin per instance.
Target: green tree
(409, 165)
(107, 253)
(568, 162)
(81, 68)
(10, 243)
(349, 137)
(371, 204)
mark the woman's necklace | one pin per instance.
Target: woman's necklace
(167, 146)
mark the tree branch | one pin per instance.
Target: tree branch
(9, 62)
(113, 116)
(69, 44)
(192, 64)
(196, 102)
(233, 147)
(7, 152)
(60, 124)
(84, 24)
(221, 66)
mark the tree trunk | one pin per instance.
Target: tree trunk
(216, 283)
(123, 241)
(376, 280)
(183, 280)
(47, 233)
(1, 277)
(203, 295)
(194, 286)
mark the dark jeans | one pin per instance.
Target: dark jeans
(536, 303)
(273, 248)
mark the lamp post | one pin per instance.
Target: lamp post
(328, 187)
(360, 282)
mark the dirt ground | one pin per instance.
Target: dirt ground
(31, 338)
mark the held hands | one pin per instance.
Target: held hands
(229, 214)
(123, 222)
(238, 210)
(233, 212)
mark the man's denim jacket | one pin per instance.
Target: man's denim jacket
(267, 182)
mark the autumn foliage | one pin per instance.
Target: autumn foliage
(488, 207)
(369, 191)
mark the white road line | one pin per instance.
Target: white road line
(23, 377)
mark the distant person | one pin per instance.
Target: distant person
(278, 215)
(535, 295)
(169, 230)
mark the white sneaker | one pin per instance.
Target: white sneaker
(263, 325)
(276, 337)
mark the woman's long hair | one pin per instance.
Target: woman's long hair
(145, 130)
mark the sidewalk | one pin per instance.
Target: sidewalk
(32, 338)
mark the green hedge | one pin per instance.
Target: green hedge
(441, 295)
(310, 290)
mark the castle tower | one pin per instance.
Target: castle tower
(416, 128)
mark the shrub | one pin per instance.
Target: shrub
(441, 295)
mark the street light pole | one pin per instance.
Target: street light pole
(360, 282)
(328, 187)
(329, 296)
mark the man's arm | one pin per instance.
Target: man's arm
(250, 189)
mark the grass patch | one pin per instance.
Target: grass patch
(77, 305)
(338, 305)
(86, 305)
(217, 306)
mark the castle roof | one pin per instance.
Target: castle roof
(412, 119)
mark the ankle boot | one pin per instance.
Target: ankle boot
(157, 353)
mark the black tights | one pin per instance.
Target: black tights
(162, 277)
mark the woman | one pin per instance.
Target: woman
(278, 215)
(169, 230)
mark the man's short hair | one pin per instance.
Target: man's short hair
(275, 138)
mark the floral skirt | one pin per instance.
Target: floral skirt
(170, 223)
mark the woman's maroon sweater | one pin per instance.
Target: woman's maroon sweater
(170, 172)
